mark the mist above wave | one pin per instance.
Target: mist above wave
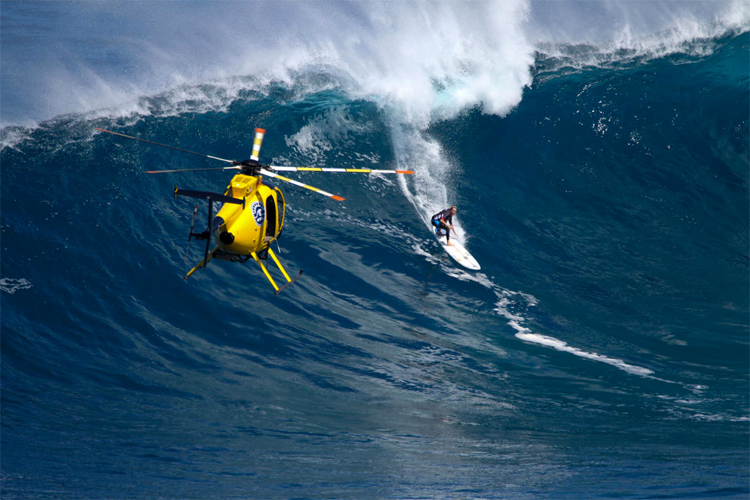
(427, 60)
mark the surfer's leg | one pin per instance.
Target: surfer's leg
(447, 230)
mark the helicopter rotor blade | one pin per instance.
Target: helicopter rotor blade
(189, 170)
(164, 146)
(296, 183)
(337, 170)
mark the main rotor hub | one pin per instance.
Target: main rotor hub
(250, 167)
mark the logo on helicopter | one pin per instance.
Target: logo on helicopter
(259, 212)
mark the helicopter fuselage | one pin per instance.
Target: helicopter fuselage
(243, 229)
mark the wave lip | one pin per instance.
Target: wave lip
(430, 60)
(693, 33)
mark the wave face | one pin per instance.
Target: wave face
(598, 155)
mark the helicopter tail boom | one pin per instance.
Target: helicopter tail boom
(205, 195)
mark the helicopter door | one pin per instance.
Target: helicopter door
(270, 217)
(281, 208)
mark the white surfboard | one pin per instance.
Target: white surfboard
(457, 251)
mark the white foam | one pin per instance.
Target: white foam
(325, 132)
(400, 54)
(524, 334)
(507, 308)
(12, 285)
(10, 137)
(609, 32)
(430, 60)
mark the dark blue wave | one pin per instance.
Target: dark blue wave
(602, 351)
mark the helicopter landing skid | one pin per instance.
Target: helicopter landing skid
(289, 280)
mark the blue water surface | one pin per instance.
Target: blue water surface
(601, 352)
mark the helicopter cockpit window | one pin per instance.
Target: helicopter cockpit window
(270, 217)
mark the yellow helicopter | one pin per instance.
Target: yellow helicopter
(252, 214)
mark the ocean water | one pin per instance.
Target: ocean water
(598, 153)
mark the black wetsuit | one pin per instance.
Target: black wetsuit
(444, 220)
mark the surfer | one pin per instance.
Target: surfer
(444, 221)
